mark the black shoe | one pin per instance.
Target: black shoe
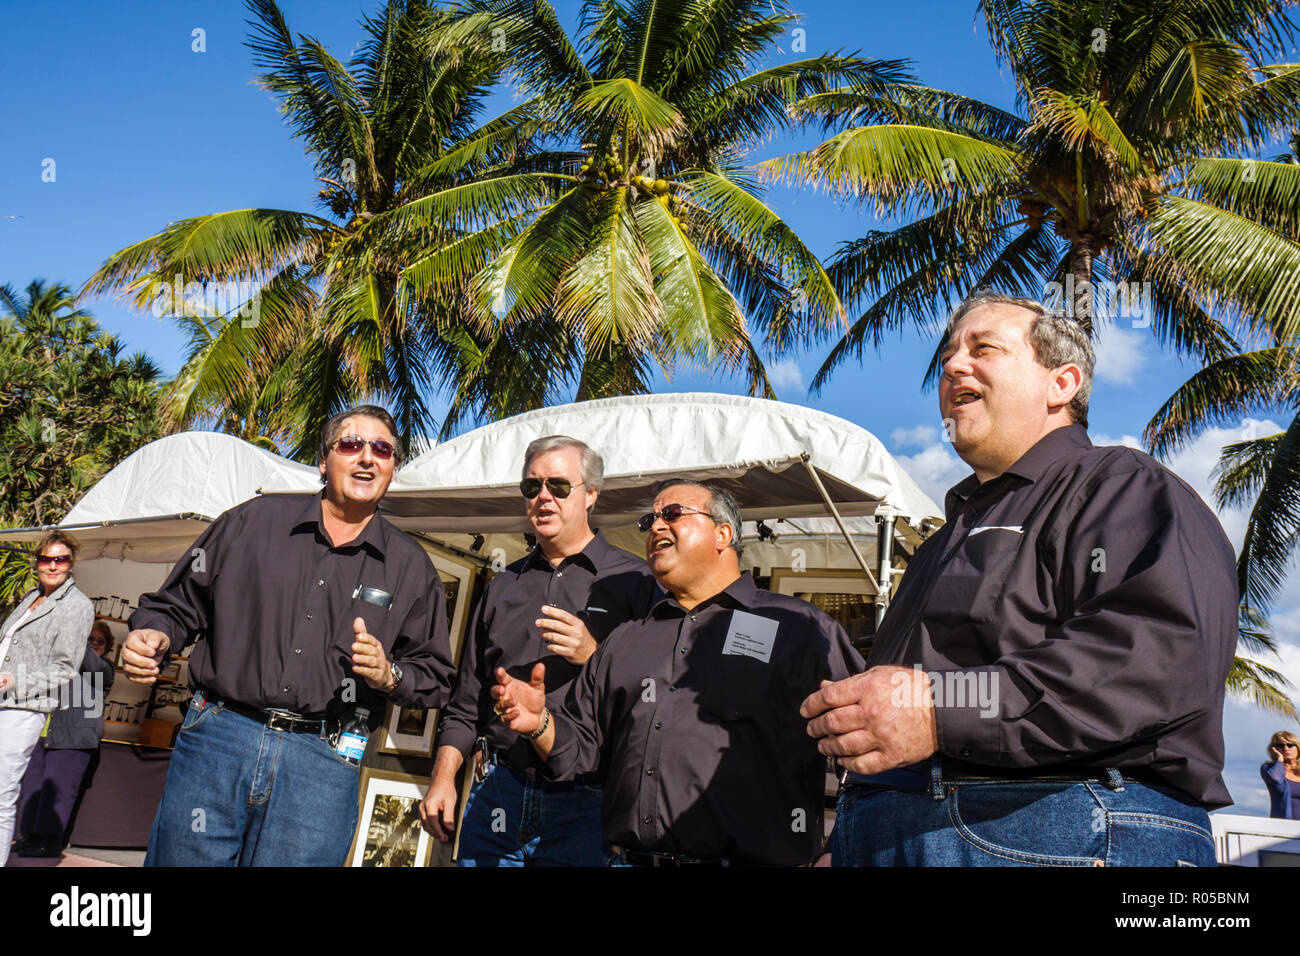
(43, 849)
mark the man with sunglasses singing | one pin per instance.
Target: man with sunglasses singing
(554, 606)
(692, 711)
(306, 609)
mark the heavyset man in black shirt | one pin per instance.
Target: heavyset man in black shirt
(306, 607)
(692, 712)
(1047, 687)
(553, 606)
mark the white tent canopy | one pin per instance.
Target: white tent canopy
(766, 453)
(770, 455)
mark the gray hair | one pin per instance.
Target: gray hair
(1055, 338)
(593, 466)
(723, 507)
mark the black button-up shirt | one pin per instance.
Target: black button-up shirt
(272, 604)
(1080, 609)
(602, 584)
(703, 748)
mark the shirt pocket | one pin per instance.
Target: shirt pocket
(739, 688)
(974, 577)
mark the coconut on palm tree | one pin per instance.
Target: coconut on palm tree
(650, 242)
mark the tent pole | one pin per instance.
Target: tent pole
(862, 562)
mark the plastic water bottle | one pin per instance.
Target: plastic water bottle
(352, 737)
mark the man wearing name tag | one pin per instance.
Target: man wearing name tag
(693, 711)
(306, 609)
(1047, 687)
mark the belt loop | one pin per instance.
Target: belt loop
(936, 777)
(1115, 780)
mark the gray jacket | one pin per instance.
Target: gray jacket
(81, 725)
(47, 649)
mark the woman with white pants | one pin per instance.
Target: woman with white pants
(41, 644)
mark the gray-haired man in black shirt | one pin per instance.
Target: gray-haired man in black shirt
(1047, 687)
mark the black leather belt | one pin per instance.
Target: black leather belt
(645, 858)
(282, 720)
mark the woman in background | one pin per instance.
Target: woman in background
(1282, 776)
(59, 764)
(41, 642)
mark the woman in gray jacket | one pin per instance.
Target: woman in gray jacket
(41, 644)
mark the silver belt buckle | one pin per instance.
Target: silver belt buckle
(280, 720)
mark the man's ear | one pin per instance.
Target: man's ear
(1066, 382)
(724, 536)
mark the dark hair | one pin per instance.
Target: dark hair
(106, 632)
(58, 537)
(334, 427)
(723, 507)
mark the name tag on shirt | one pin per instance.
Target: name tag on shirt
(750, 636)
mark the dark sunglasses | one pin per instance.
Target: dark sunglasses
(670, 514)
(56, 560)
(351, 446)
(530, 488)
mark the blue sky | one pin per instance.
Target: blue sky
(143, 130)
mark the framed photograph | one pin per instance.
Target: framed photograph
(388, 827)
(844, 594)
(458, 581)
(408, 730)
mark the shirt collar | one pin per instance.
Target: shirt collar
(594, 556)
(374, 535)
(739, 593)
(1030, 466)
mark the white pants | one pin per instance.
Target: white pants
(20, 731)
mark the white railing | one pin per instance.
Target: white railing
(1255, 841)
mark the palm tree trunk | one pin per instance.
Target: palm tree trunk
(1081, 295)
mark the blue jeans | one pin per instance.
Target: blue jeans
(241, 794)
(512, 821)
(1025, 823)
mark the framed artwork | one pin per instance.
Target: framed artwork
(388, 827)
(408, 730)
(844, 594)
(457, 580)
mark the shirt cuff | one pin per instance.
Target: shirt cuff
(970, 705)
(561, 763)
(457, 735)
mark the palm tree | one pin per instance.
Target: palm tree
(1132, 141)
(1127, 160)
(317, 322)
(649, 240)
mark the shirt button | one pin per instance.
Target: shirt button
(559, 574)
(287, 688)
(672, 686)
(965, 751)
(646, 821)
(320, 583)
(309, 615)
(297, 650)
(683, 650)
(694, 618)
(650, 772)
(659, 725)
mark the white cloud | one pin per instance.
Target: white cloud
(785, 374)
(936, 469)
(917, 437)
(1131, 441)
(1120, 355)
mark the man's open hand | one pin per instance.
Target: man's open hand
(520, 705)
(874, 721)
